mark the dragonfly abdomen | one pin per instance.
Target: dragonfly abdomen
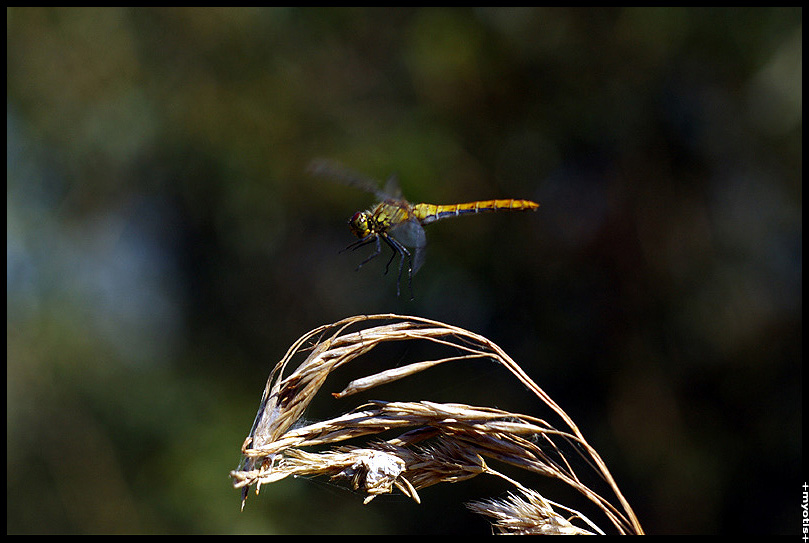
(427, 213)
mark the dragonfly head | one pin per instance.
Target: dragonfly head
(359, 224)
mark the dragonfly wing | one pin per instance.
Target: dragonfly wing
(337, 172)
(411, 234)
(418, 258)
(392, 189)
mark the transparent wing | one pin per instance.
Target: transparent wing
(335, 171)
(411, 234)
(392, 189)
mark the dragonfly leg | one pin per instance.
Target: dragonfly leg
(375, 254)
(392, 256)
(403, 253)
(362, 243)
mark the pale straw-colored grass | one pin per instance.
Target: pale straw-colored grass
(438, 443)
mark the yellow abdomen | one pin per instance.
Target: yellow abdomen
(427, 213)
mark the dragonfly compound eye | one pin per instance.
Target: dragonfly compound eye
(359, 225)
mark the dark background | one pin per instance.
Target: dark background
(165, 247)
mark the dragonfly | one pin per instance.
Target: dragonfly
(397, 222)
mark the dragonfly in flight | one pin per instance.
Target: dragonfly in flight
(399, 223)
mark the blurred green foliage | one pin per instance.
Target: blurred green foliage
(165, 246)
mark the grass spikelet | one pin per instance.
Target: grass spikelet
(436, 442)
